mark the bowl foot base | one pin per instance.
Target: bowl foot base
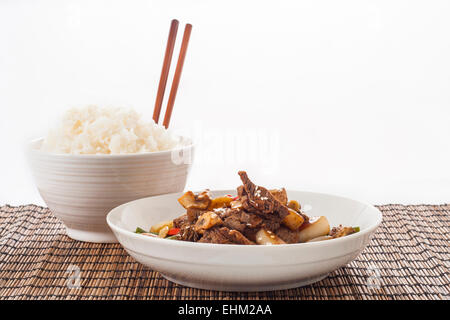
(91, 236)
(245, 288)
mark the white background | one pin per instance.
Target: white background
(356, 92)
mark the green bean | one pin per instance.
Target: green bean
(140, 230)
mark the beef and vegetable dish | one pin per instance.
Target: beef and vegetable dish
(255, 216)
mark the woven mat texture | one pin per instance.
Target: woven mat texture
(408, 258)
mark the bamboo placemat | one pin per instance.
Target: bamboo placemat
(408, 258)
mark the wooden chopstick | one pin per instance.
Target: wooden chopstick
(177, 75)
(165, 69)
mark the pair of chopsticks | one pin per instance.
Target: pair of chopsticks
(165, 72)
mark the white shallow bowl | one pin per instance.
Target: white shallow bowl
(241, 267)
(81, 189)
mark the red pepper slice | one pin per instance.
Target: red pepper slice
(173, 231)
(235, 198)
(229, 196)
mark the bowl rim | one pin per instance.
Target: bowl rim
(187, 244)
(30, 147)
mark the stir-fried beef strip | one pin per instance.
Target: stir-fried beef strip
(280, 195)
(260, 198)
(193, 214)
(341, 231)
(249, 223)
(287, 235)
(238, 237)
(224, 235)
(181, 221)
(238, 221)
(216, 235)
(187, 232)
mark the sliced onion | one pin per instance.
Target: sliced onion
(265, 237)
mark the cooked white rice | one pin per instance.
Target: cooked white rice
(94, 130)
